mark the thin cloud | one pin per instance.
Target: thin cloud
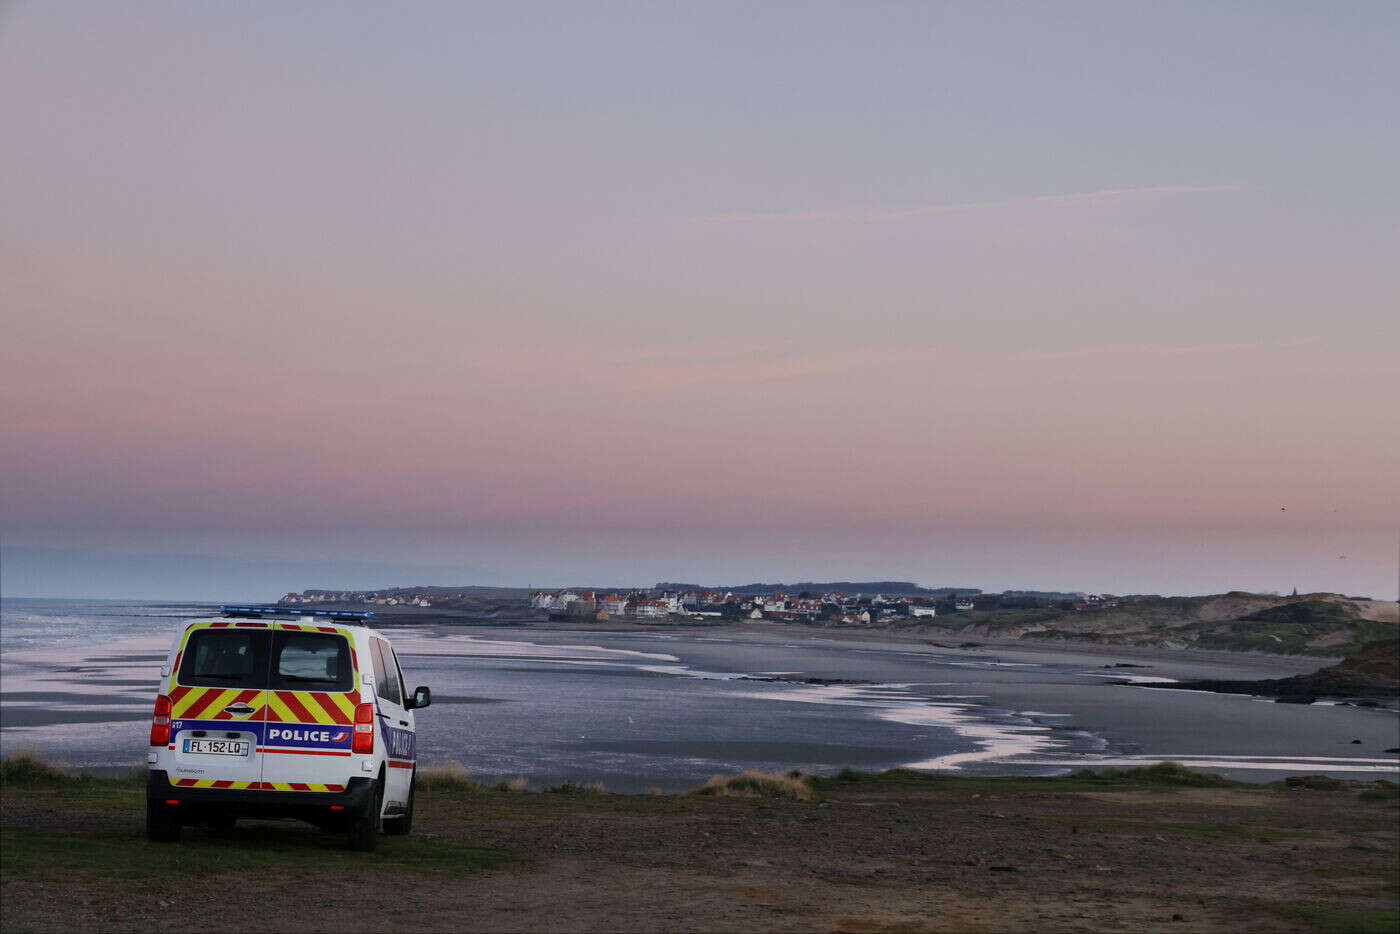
(1166, 350)
(679, 367)
(901, 213)
(680, 375)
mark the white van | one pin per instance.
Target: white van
(269, 711)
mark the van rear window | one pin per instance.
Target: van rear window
(310, 661)
(260, 659)
(225, 658)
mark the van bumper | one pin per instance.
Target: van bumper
(192, 803)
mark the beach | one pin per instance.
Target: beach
(652, 707)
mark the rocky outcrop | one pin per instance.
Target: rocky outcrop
(1371, 673)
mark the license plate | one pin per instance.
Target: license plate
(218, 747)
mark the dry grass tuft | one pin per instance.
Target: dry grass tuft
(450, 776)
(29, 769)
(756, 784)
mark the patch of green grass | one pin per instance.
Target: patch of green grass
(1307, 612)
(572, 787)
(1162, 775)
(76, 792)
(101, 796)
(128, 856)
(1201, 828)
(1356, 883)
(971, 785)
(1336, 919)
(1384, 791)
(1289, 629)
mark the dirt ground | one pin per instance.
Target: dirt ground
(960, 857)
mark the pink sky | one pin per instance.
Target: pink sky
(259, 302)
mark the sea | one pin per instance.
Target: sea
(670, 707)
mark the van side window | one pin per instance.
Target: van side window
(386, 680)
(403, 683)
(225, 658)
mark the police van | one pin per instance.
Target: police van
(272, 712)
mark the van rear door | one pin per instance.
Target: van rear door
(217, 703)
(313, 688)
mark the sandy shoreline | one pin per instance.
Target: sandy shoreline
(925, 637)
(1052, 706)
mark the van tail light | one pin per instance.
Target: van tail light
(160, 722)
(364, 729)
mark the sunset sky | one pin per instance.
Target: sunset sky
(1065, 295)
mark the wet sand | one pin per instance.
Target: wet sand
(669, 705)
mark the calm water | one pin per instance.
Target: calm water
(670, 708)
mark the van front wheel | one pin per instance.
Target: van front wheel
(363, 833)
(161, 825)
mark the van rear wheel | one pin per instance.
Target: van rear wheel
(363, 833)
(162, 826)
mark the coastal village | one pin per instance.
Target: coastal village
(833, 608)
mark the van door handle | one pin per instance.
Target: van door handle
(403, 723)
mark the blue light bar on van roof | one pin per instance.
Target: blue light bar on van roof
(259, 612)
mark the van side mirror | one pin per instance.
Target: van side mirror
(422, 697)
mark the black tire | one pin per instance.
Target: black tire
(363, 833)
(162, 826)
(402, 825)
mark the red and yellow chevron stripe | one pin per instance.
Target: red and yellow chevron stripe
(310, 707)
(298, 627)
(249, 786)
(188, 703)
